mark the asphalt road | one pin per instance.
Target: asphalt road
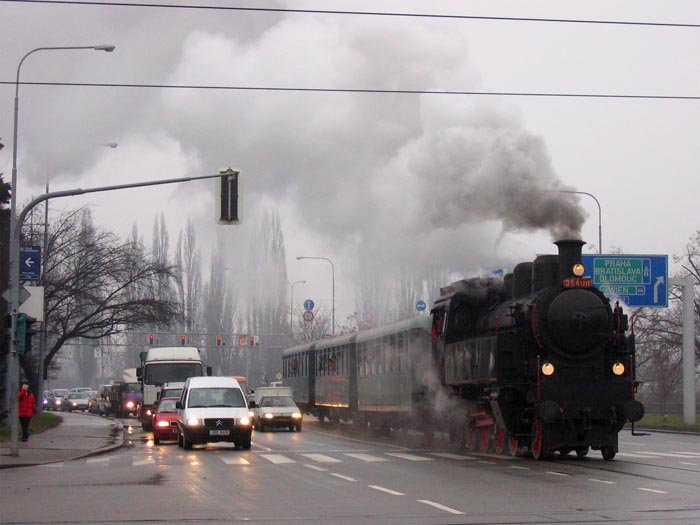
(325, 475)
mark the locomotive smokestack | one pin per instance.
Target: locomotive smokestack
(569, 254)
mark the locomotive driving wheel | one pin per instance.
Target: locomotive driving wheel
(499, 441)
(538, 444)
(513, 446)
(484, 438)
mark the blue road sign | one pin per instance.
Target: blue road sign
(309, 305)
(420, 305)
(30, 263)
(636, 280)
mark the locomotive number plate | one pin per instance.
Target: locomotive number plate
(578, 282)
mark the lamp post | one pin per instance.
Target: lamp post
(291, 305)
(13, 278)
(600, 225)
(333, 283)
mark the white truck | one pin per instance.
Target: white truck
(161, 365)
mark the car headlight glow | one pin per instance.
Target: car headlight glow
(129, 404)
(251, 413)
(296, 415)
(245, 421)
(268, 416)
(163, 424)
(547, 368)
(57, 402)
(618, 368)
(194, 421)
(75, 404)
(148, 412)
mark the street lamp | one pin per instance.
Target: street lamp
(291, 305)
(333, 277)
(600, 226)
(13, 278)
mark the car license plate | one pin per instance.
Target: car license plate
(218, 432)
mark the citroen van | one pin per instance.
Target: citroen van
(213, 409)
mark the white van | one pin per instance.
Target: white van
(213, 409)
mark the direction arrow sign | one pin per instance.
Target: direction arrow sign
(420, 305)
(636, 280)
(30, 263)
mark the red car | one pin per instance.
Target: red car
(165, 420)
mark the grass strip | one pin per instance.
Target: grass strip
(37, 425)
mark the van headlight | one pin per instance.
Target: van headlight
(129, 404)
(194, 421)
(244, 421)
(296, 415)
(268, 416)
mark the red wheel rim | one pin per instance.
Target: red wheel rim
(484, 439)
(513, 446)
(472, 438)
(537, 439)
(500, 441)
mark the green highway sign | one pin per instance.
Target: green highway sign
(636, 280)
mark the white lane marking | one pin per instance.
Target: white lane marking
(388, 491)
(102, 461)
(639, 456)
(409, 457)
(667, 455)
(314, 467)
(686, 463)
(439, 506)
(487, 462)
(346, 478)
(602, 481)
(519, 467)
(277, 458)
(449, 455)
(59, 464)
(631, 443)
(653, 490)
(142, 462)
(321, 458)
(365, 457)
(684, 452)
(554, 473)
(233, 460)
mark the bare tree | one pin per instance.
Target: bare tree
(189, 277)
(267, 298)
(96, 286)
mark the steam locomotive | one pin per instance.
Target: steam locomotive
(539, 361)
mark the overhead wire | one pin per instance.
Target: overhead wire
(357, 13)
(358, 90)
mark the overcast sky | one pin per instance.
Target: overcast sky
(406, 179)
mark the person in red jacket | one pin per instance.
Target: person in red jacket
(27, 409)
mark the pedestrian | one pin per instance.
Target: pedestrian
(27, 409)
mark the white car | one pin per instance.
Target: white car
(213, 409)
(276, 412)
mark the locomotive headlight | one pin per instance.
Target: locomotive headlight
(578, 269)
(547, 368)
(618, 368)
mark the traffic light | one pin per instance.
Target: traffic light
(183, 340)
(20, 333)
(227, 205)
(219, 340)
(151, 339)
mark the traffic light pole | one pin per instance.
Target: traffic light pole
(12, 370)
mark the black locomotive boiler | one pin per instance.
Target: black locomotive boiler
(540, 361)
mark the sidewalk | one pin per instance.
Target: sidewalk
(77, 436)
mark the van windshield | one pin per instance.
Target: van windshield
(215, 397)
